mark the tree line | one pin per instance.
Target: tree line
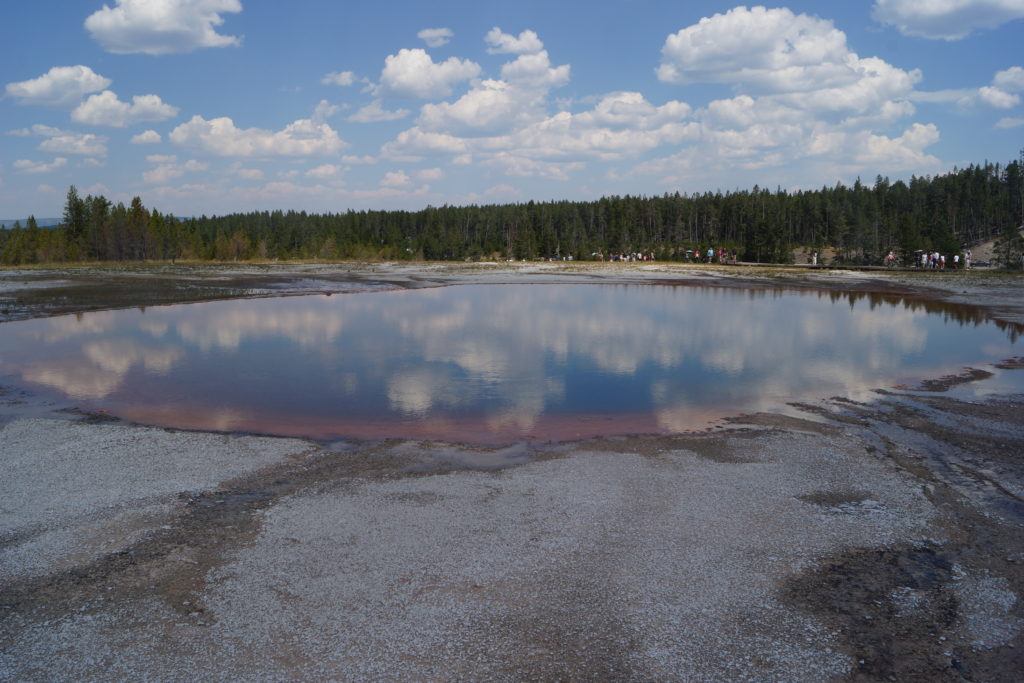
(944, 213)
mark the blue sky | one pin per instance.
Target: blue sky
(216, 106)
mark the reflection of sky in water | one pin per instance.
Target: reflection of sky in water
(506, 359)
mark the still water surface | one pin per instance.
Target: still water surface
(491, 363)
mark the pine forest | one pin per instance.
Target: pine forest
(859, 224)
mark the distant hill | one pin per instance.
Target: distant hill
(986, 250)
(41, 222)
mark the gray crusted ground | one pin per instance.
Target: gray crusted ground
(841, 540)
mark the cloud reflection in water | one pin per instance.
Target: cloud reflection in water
(508, 359)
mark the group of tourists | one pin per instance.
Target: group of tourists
(710, 256)
(624, 258)
(933, 260)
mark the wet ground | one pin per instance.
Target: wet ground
(29, 293)
(875, 540)
(34, 292)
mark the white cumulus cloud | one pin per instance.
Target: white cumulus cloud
(999, 95)
(1010, 80)
(430, 174)
(905, 152)
(355, 159)
(499, 106)
(999, 99)
(806, 104)
(220, 136)
(632, 110)
(147, 137)
(491, 108)
(622, 125)
(342, 78)
(768, 50)
(413, 74)
(505, 123)
(500, 42)
(946, 19)
(535, 70)
(324, 171)
(26, 166)
(375, 112)
(61, 86)
(324, 110)
(66, 141)
(105, 109)
(435, 37)
(168, 169)
(523, 166)
(413, 142)
(396, 179)
(160, 27)
(246, 173)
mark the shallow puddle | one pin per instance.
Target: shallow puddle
(492, 363)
